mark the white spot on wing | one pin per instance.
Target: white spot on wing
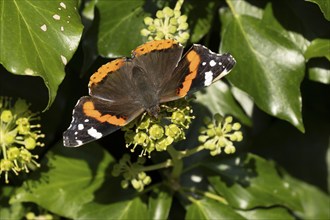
(64, 60)
(212, 63)
(204, 63)
(43, 27)
(86, 120)
(208, 78)
(80, 126)
(56, 17)
(94, 133)
(79, 142)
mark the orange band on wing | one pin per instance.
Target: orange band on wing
(194, 60)
(104, 70)
(154, 45)
(90, 111)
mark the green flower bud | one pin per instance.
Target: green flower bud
(146, 180)
(145, 32)
(183, 26)
(182, 19)
(172, 29)
(177, 14)
(173, 131)
(30, 143)
(137, 184)
(152, 28)
(229, 119)
(159, 14)
(142, 175)
(178, 117)
(30, 216)
(156, 132)
(160, 35)
(6, 165)
(168, 12)
(141, 138)
(202, 138)
(236, 126)
(230, 149)
(6, 116)
(13, 153)
(148, 20)
(9, 137)
(124, 184)
(173, 21)
(25, 155)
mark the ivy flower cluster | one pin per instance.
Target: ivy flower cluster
(220, 134)
(156, 134)
(18, 136)
(168, 24)
(132, 173)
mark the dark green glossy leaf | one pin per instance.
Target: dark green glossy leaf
(324, 6)
(249, 182)
(7, 211)
(120, 26)
(210, 209)
(132, 208)
(160, 203)
(38, 38)
(271, 213)
(318, 48)
(314, 202)
(219, 99)
(67, 179)
(319, 75)
(200, 16)
(269, 66)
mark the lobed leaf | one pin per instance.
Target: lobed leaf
(38, 38)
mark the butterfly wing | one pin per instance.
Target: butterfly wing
(198, 68)
(93, 118)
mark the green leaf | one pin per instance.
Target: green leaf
(318, 48)
(120, 26)
(319, 74)
(200, 16)
(269, 66)
(67, 180)
(219, 99)
(160, 203)
(210, 209)
(7, 211)
(132, 208)
(314, 202)
(271, 213)
(38, 38)
(324, 6)
(250, 182)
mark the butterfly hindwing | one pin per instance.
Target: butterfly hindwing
(94, 118)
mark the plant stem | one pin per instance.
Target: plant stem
(188, 152)
(176, 161)
(208, 195)
(158, 166)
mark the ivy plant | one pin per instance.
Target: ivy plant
(252, 146)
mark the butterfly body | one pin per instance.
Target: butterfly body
(123, 89)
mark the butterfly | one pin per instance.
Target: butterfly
(123, 89)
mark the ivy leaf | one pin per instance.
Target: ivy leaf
(200, 15)
(271, 213)
(248, 182)
(210, 209)
(219, 99)
(38, 38)
(324, 6)
(319, 74)
(318, 48)
(120, 26)
(67, 179)
(269, 66)
(160, 203)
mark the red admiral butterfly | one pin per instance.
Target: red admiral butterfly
(123, 89)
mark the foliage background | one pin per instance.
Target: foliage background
(279, 90)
